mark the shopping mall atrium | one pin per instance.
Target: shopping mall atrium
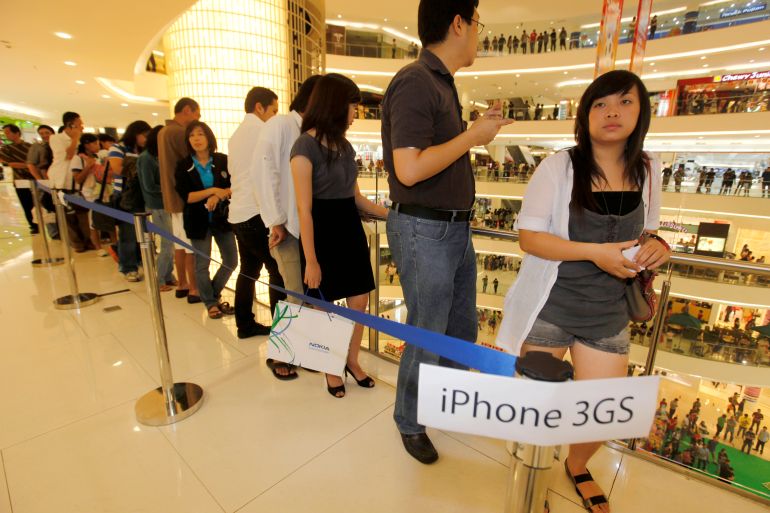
(91, 341)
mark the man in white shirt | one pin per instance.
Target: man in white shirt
(64, 146)
(261, 104)
(276, 190)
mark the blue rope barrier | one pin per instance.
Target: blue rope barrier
(463, 352)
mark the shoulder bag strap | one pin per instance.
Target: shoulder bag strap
(104, 181)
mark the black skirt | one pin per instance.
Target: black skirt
(341, 249)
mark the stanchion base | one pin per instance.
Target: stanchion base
(151, 407)
(71, 302)
(46, 262)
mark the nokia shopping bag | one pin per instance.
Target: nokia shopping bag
(309, 338)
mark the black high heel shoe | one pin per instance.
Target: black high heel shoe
(335, 390)
(367, 382)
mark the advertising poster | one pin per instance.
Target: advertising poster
(609, 32)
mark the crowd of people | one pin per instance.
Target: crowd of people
(688, 440)
(540, 42)
(259, 195)
(707, 175)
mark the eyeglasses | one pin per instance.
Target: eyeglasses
(478, 23)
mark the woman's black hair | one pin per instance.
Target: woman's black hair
(637, 162)
(133, 131)
(299, 104)
(327, 110)
(206, 131)
(152, 141)
(86, 139)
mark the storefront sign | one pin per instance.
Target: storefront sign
(673, 226)
(730, 13)
(742, 76)
(536, 412)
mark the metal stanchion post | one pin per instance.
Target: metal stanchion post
(47, 261)
(530, 464)
(170, 402)
(75, 299)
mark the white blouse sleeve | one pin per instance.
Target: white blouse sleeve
(653, 208)
(537, 207)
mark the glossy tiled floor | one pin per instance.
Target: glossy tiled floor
(69, 441)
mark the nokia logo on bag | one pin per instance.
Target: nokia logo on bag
(318, 347)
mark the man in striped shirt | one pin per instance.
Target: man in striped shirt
(14, 155)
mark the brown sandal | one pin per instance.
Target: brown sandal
(215, 312)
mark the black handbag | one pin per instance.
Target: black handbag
(103, 222)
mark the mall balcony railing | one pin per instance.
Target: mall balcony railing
(742, 346)
(670, 25)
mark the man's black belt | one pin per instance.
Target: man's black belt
(451, 216)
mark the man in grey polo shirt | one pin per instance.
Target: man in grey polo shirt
(426, 152)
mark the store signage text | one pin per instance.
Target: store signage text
(746, 10)
(742, 76)
(536, 412)
(673, 226)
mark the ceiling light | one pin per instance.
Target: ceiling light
(155, 114)
(386, 19)
(476, 77)
(654, 71)
(702, 57)
(339, 16)
(406, 28)
(106, 96)
(652, 64)
(80, 82)
(705, 65)
(565, 72)
(70, 63)
(762, 49)
(752, 60)
(62, 35)
(124, 105)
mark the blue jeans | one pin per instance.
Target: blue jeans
(128, 260)
(437, 267)
(162, 219)
(210, 288)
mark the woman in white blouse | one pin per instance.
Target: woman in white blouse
(582, 209)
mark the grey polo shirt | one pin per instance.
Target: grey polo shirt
(421, 109)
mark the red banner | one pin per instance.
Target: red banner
(640, 36)
(607, 44)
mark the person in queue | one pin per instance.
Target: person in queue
(149, 180)
(335, 254)
(277, 200)
(123, 152)
(14, 154)
(260, 105)
(584, 207)
(172, 147)
(87, 170)
(426, 152)
(203, 182)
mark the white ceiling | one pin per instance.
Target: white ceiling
(108, 41)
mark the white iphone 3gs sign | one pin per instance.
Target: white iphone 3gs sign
(536, 412)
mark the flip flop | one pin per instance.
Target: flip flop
(226, 309)
(590, 502)
(274, 366)
(215, 314)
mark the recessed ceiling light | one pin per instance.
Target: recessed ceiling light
(705, 65)
(339, 16)
(702, 57)
(752, 60)
(386, 19)
(565, 72)
(762, 49)
(654, 71)
(406, 28)
(652, 64)
(155, 114)
(62, 35)
(476, 77)
(80, 82)
(70, 63)
(756, 137)
(517, 75)
(107, 96)
(124, 105)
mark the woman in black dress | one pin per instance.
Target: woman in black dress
(335, 255)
